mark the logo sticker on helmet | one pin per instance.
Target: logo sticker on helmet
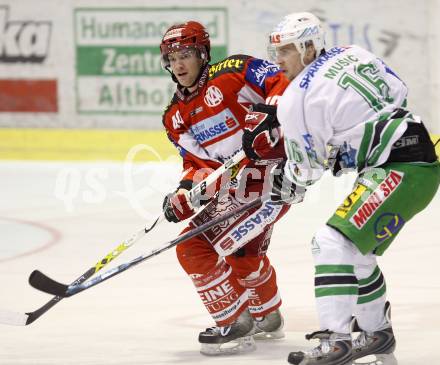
(213, 96)
(173, 33)
(275, 38)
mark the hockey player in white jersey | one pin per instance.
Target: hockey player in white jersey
(345, 109)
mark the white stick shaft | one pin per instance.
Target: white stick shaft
(199, 189)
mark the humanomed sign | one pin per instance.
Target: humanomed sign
(118, 66)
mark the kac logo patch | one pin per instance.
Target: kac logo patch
(213, 96)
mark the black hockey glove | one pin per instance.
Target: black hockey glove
(339, 162)
(261, 132)
(177, 207)
(167, 209)
(284, 191)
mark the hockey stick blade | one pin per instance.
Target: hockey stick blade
(44, 283)
(24, 319)
(13, 318)
(75, 289)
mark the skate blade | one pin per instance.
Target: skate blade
(265, 336)
(238, 346)
(380, 359)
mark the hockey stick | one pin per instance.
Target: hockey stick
(24, 319)
(42, 282)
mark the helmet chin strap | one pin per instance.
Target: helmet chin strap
(303, 54)
(303, 49)
(302, 60)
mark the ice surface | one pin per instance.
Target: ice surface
(151, 314)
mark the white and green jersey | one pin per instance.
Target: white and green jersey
(344, 98)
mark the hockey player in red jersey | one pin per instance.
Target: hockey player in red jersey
(205, 120)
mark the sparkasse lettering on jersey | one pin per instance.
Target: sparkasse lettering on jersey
(317, 64)
(254, 220)
(212, 132)
(215, 126)
(226, 244)
(377, 198)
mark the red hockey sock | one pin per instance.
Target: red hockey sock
(224, 298)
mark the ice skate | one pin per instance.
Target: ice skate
(381, 344)
(269, 327)
(232, 339)
(375, 348)
(334, 349)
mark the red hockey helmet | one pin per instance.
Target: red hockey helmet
(183, 36)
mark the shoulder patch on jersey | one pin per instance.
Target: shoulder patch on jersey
(233, 63)
(259, 69)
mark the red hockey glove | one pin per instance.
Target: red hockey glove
(177, 207)
(261, 132)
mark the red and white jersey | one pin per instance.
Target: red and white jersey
(206, 125)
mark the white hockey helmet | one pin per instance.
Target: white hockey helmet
(299, 29)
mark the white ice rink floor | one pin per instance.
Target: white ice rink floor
(61, 218)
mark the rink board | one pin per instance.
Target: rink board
(88, 145)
